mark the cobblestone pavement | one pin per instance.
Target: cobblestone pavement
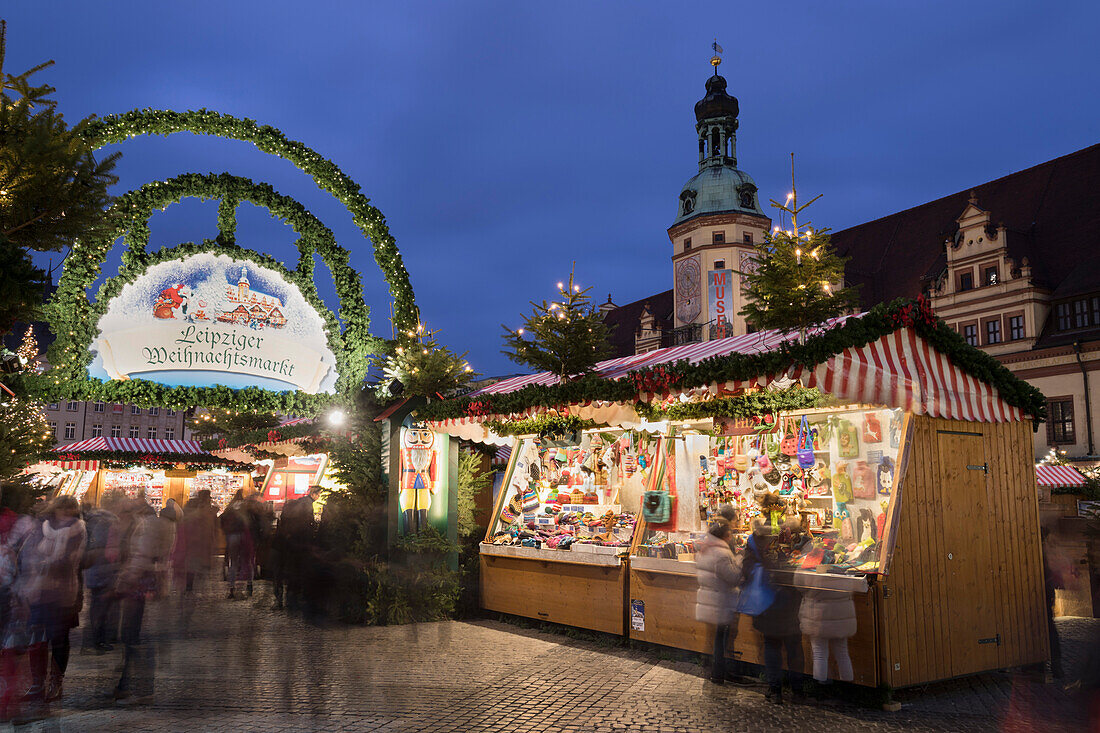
(239, 666)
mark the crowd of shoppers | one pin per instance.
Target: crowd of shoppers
(115, 559)
(738, 580)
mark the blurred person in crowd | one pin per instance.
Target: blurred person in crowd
(145, 552)
(718, 570)
(240, 551)
(778, 624)
(828, 618)
(14, 530)
(294, 537)
(100, 567)
(48, 585)
(193, 554)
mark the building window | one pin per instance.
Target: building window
(993, 331)
(169, 433)
(1096, 311)
(52, 425)
(53, 406)
(70, 406)
(718, 238)
(135, 410)
(989, 275)
(97, 431)
(1016, 328)
(687, 243)
(134, 431)
(747, 237)
(719, 264)
(1080, 313)
(1061, 312)
(151, 433)
(70, 431)
(98, 407)
(116, 431)
(154, 410)
(1060, 421)
(170, 413)
(966, 281)
(970, 333)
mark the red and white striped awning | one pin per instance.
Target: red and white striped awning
(75, 465)
(900, 369)
(1054, 477)
(134, 445)
(500, 458)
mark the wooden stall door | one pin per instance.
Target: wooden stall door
(972, 628)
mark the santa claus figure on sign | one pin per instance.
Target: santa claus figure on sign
(418, 475)
(177, 297)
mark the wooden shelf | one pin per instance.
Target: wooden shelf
(546, 555)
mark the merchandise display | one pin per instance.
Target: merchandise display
(821, 483)
(135, 481)
(221, 486)
(577, 497)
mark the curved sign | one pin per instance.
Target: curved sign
(209, 319)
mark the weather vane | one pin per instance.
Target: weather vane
(716, 59)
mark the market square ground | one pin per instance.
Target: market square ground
(243, 667)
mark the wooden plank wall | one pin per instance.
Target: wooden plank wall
(929, 602)
(586, 596)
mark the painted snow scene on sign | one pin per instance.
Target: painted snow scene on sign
(209, 319)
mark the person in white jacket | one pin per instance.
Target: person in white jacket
(828, 617)
(718, 570)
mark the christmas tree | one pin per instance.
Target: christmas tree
(798, 278)
(28, 351)
(424, 368)
(567, 336)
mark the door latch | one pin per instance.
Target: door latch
(984, 468)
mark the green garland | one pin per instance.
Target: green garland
(761, 402)
(75, 320)
(855, 333)
(326, 174)
(263, 435)
(541, 425)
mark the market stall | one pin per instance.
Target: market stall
(562, 525)
(908, 484)
(159, 469)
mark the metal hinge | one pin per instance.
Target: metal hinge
(984, 468)
(991, 640)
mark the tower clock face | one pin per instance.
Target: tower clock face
(689, 291)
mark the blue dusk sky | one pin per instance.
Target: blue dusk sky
(506, 140)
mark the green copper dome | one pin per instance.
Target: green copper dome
(718, 189)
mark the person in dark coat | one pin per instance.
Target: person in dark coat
(779, 623)
(101, 556)
(240, 550)
(294, 546)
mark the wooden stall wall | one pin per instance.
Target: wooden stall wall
(562, 592)
(965, 588)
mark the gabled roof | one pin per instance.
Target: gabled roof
(1051, 212)
(623, 321)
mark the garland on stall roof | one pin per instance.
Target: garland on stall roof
(326, 174)
(75, 319)
(750, 404)
(541, 425)
(125, 459)
(262, 435)
(854, 333)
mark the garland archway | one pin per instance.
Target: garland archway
(326, 174)
(75, 319)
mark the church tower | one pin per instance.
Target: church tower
(242, 287)
(718, 221)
